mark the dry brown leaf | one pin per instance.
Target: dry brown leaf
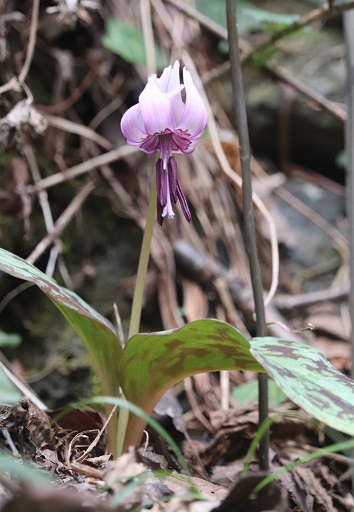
(328, 322)
(316, 493)
(195, 302)
(181, 484)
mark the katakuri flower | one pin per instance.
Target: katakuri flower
(162, 122)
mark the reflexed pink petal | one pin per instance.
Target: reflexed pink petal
(151, 144)
(180, 141)
(174, 89)
(170, 82)
(155, 108)
(191, 147)
(131, 128)
(164, 79)
(195, 115)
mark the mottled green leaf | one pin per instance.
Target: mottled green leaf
(152, 363)
(96, 331)
(309, 380)
(127, 42)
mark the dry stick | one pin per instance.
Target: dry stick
(62, 222)
(302, 300)
(329, 106)
(31, 43)
(16, 83)
(83, 131)
(42, 196)
(349, 38)
(82, 168)
(248, 212)
(146, 21)
(44, 204)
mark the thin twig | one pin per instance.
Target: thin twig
(45, 206)
(62, 222)
(77, 93)
(83, 131)
(291, 302)
(148, 33)
(31, 43)
(42, 195)
(16, 82)
(82, 168)
(94, 443)
(280, 73)
(248, 212)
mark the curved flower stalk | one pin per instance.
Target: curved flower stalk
(162, 122)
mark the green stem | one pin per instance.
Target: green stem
(138, 300)
(143, 264)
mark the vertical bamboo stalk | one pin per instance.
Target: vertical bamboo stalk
(248, 212)
(349, 151)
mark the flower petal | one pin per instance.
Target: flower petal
(174, 89)
(195, 115)
(164, 79)
(155, 108)
(132, 126)
(191, 147)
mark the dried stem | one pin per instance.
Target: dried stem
(15, 83)
(248, 212)
(349, 134)
(83, 168)
(349, 39)
(31, 43)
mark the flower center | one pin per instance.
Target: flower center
(167, 142)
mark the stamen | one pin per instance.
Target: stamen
(159, 210)
(172, 178)
(161, 183)
(183, 202)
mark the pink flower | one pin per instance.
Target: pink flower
(162, 122)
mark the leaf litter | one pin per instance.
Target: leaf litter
(216, 454)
